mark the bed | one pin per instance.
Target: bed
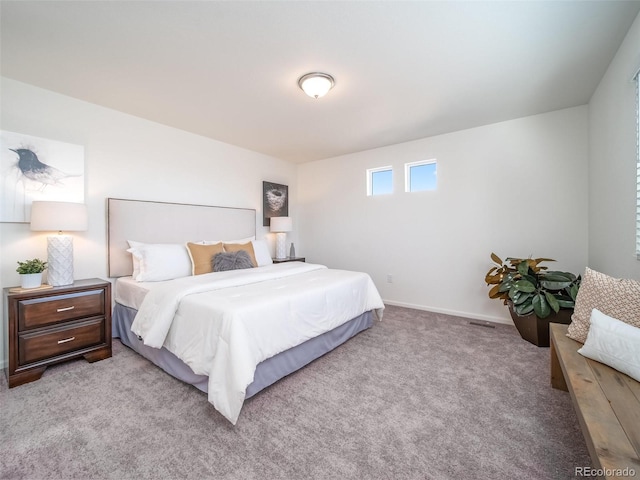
(229, 333)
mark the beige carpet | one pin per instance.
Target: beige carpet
(418, 396)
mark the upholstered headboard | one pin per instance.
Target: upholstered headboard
(163, 222)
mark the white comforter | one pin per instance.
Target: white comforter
(224, 324)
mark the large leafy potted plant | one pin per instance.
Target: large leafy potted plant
(535, 295)
(31, 272)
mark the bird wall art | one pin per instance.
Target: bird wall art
(33, 168)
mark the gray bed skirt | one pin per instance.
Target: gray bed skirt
(267, 372)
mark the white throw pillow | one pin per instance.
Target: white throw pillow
(614, 343)
(160, 261)
(261, 251)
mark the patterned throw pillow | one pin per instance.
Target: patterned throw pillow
(225, 261)
(618, 298)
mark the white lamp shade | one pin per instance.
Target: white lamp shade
(281, 224)
(58, 216)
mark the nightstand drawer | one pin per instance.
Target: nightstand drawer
(38, 312)
(36, 346)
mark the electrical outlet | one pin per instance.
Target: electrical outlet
(389, 278)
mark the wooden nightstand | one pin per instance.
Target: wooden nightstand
(54, 325)
(289, 259)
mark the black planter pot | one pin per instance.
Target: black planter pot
(536, 330)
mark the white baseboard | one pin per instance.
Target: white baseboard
(474, 316)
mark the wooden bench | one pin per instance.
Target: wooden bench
(607, 404)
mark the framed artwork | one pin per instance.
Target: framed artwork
(34, 168)
(275, 201)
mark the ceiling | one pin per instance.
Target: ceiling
(228, 70)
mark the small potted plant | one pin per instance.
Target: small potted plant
(31, 272)
(534, 295)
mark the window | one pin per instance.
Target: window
(379, 181)
(419, 176)
(637, 78)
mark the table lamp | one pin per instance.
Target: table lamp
(281, 225)
(59, 216)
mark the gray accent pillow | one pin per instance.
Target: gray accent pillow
(231, 261)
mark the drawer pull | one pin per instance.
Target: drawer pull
(66, 309)
(66, 340)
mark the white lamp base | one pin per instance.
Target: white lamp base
(281, 245)
(60, 260)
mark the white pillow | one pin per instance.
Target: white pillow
(160, 261)
(614, 343)
(261, 252)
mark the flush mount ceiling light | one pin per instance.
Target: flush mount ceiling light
(316, 84)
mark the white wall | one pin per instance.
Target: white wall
(612, 164)
(516, 188)
(127, 157)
